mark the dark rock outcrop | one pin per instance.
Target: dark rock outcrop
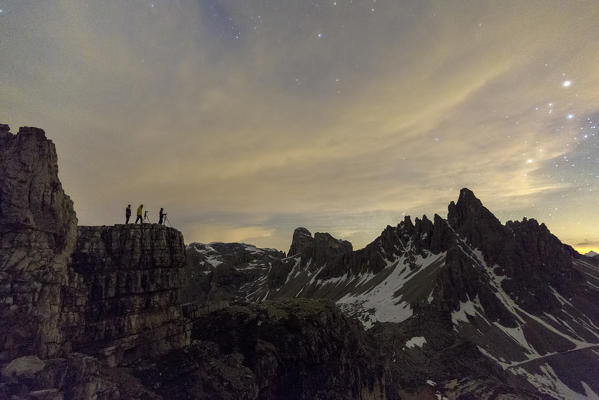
(199, 371)
(297, 349)
(319, 249)
(75, 376)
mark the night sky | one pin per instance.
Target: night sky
(248, 118)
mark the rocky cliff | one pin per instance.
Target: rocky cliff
(93, 289)
(110, 292)
(38, 230)
(129, 280)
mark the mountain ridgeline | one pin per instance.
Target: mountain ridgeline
(474, 305)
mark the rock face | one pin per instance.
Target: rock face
(130, 279)
(38, 228)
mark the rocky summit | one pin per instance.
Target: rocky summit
(463, 307)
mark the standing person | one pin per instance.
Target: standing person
(139, 214)
(127, 214)
(162, 215)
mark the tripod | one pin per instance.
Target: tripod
(146, 219)
(166, 221)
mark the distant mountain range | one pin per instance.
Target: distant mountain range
(463, 301)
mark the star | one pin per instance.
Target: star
(319, 35)
(570, 116)
(566, 83)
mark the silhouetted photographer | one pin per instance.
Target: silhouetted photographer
(162, 217)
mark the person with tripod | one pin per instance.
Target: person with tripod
(162, 216)
(140, 214)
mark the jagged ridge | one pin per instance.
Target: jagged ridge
(512, 292)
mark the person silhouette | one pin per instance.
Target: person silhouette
(127, 214)
(162, 214)
(139, 214)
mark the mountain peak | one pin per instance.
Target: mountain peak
(467, 195)
(469, 212)
(468, 201)
(302, 239)
(302, 231)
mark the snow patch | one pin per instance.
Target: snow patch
(416, 341)
(212, 260)
(549, 383)
(379, 303)
(465, 309)
(517, 335)
(430, 297)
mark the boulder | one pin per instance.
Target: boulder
(23, 367)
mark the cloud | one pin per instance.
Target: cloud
(227, 233)
(389, 112)
(588, 243)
